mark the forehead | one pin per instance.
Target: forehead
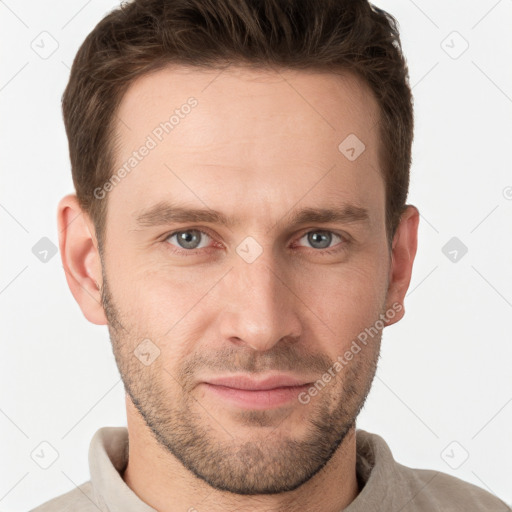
(336, 101)
(240, 136)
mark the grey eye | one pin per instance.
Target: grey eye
(320, 239)
(189, 238)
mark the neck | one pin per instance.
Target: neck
(161, 481)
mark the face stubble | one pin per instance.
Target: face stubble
(267, 464)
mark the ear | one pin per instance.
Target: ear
(80, 258)
(404, 247)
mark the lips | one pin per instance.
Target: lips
(244, 391)
(247, 383)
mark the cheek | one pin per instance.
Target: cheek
(167, 302)
(159, 300)
(346, 298)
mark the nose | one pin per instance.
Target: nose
(260, 307)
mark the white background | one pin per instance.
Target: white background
(445, 372)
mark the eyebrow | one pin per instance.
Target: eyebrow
(164, 213)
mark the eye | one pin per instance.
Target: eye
(322, 239)
(188, 239)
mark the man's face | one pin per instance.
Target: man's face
(257, 298)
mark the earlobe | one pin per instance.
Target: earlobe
(404, 248)
(80, 258)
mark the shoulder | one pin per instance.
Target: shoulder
(435, 490)
(389, 485)
(79, 499)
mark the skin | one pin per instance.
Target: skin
(258, 145)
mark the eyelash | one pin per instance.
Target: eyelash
(194, 252)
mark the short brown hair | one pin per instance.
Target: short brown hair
(145, 35)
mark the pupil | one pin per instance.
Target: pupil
(187, 238)
(318, 236)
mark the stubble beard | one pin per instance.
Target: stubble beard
(270, 463)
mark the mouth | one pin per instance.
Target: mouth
(269, 392)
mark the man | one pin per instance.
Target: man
(240, 225)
